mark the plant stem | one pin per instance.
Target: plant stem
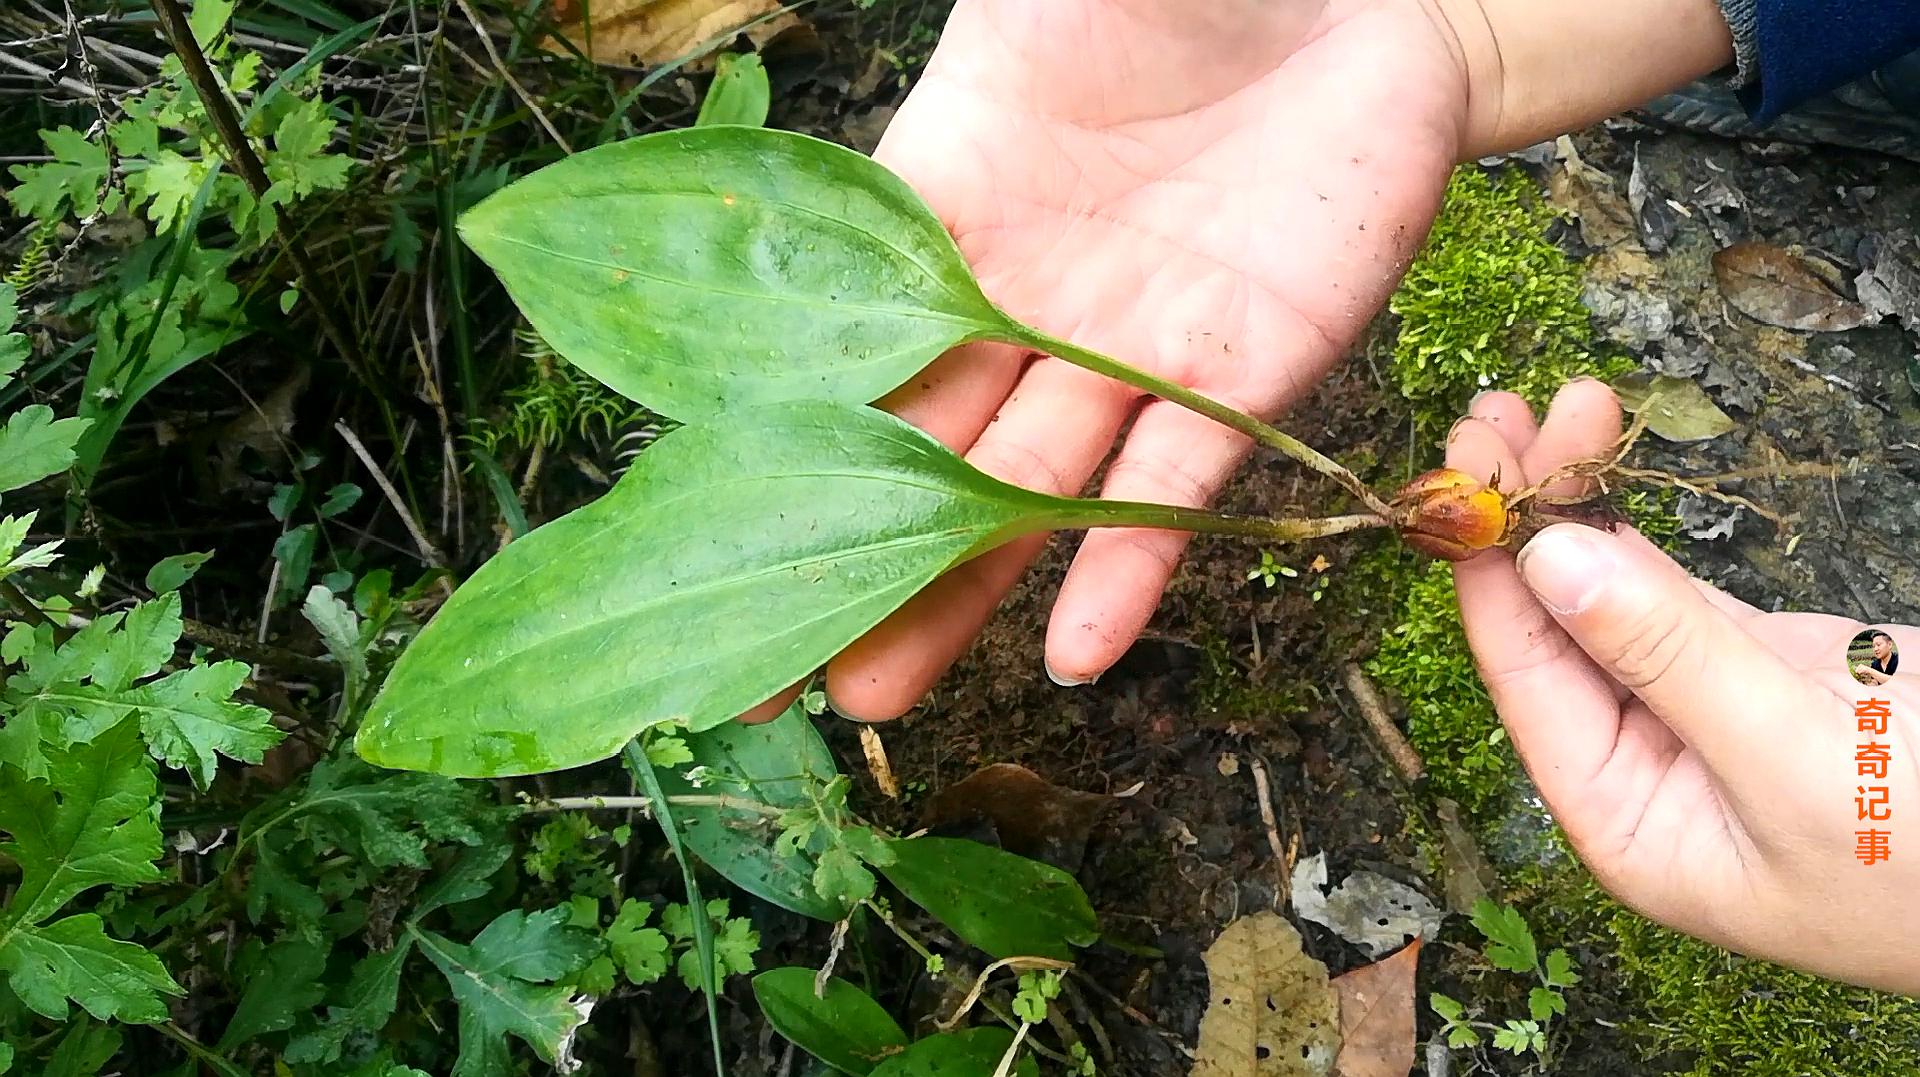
(23, 605)
(1095, 513)
(227, 125)
(1220, 413)
(638, 765)
(622, 803)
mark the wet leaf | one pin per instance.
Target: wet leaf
(1271, 1012)
(1776, 286)
(1369, 910)
(1032, 816)
(1004, 904)
(739, 93)
(845, 1028)
(1377, 1035)
(702, 270)
(976, 1052)
(640, 32)
(1676, 409)
(774, 763)
(735, 558)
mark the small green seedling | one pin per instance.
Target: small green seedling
(1511, 948)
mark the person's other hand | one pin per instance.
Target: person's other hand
(1223, 193)
(1698, 752)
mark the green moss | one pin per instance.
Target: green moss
(1491, 302)
(1223, 690)
(1721, 1014)
(1424, 661)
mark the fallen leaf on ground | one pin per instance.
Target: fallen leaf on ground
(1676, 409)
(642, 32)
(1889, 280)
(1773, 285)
(1653, 211)
(1468, 875)
(877, 765)
(1377, 1034)
(1367, 909)
(1032, 816)
(1272, 1012)
(1589, 194)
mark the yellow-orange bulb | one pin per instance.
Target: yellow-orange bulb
(1451, 515)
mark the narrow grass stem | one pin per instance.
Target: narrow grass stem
(1240, 421)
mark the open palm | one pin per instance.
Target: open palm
(1223, 193)
(1699, 753)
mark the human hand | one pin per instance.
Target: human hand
(1698, 752)
(1222, 193)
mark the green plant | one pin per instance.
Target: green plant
(1491, 303)
(172, 302)
(806, 279)
(1510, 947)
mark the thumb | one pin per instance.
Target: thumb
(1645, 622)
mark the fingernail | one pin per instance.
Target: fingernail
(1477, 398)
(1065, 682)
(1454, 430)
(834, 707)
(1566, 566)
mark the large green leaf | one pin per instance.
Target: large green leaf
(973, 1052)
(700, 270)
(845, 1028)
(93, 822)
(775, 763)
(734, 558)
(499, 980)
(1007, 905)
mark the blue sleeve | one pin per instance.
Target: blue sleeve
(1804, 48)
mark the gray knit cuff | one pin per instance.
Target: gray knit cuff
(1744, 20)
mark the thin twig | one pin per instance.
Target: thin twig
(952, 979)
(624, 803)
(1018, 964)
(21, 64)
(1400, 753)
(1263, 793)
(500, 66)
(428, 552)
(259, 654)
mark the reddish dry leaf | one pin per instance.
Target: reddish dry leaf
(1776, 286)
(1376, 1017)
(1032, 816)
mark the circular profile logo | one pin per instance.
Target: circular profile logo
(1872, 658)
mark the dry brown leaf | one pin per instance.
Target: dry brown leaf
(644, 32)
(876, 752)
(1032, 816)
(1606, 220)
(1272, 1011)
(1773, 285)
(1376, 1017)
